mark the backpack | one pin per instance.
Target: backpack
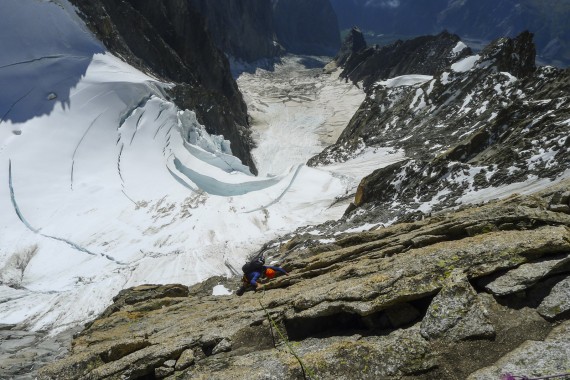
(254, 265)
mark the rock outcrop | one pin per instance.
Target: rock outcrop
(425, 55)
(169, 40)
(353, 43)
(409, 300)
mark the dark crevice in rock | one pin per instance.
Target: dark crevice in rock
(534, 295)
(208, 347)
(402, 315)
(149, 376)
(121, 350)
(340, 324)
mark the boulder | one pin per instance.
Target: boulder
(526, 276)
(456, 313)
(558, 301)
(533, 358)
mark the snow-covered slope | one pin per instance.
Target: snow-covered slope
(105, 184)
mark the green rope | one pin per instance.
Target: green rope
(306, 370)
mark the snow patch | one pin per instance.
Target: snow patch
(405, 80)
(465, 64)
(221, 290)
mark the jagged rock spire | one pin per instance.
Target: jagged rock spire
(353, 43)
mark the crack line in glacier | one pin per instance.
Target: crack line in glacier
(42, 58)
(181, 181)
(13, 198)
(232, 269)
(119, 163)
(14, 104)
(79, 143)
(162, 109)
(159, 128)
(129, 198)
(136, 127)
(121, 175)
(132, 110)
(282, 194)
(37, 231)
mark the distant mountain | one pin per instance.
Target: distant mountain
(473, 19)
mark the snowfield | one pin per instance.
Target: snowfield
(105, 184)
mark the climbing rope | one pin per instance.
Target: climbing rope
(510, 376)
(306, 371)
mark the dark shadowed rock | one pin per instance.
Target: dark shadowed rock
(243, 29)
(353, 43)
(534, 358)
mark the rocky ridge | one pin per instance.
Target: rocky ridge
(484, 122)
(468, 294)
(425, 55)
(482, 20)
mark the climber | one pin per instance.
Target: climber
(254, 270)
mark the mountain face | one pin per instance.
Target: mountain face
(482, 124)
(169, 39)
(467, 295)
(423, 55)
(353, 43)
(476, 19)
(243, 29)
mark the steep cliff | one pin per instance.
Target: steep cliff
(168, 38)
(465, 295)
(242, 29)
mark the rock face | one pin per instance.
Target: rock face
(243, 29)
(475, 125)
(168, 38)
(399, 301)
(423, 55)
(352, 45)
